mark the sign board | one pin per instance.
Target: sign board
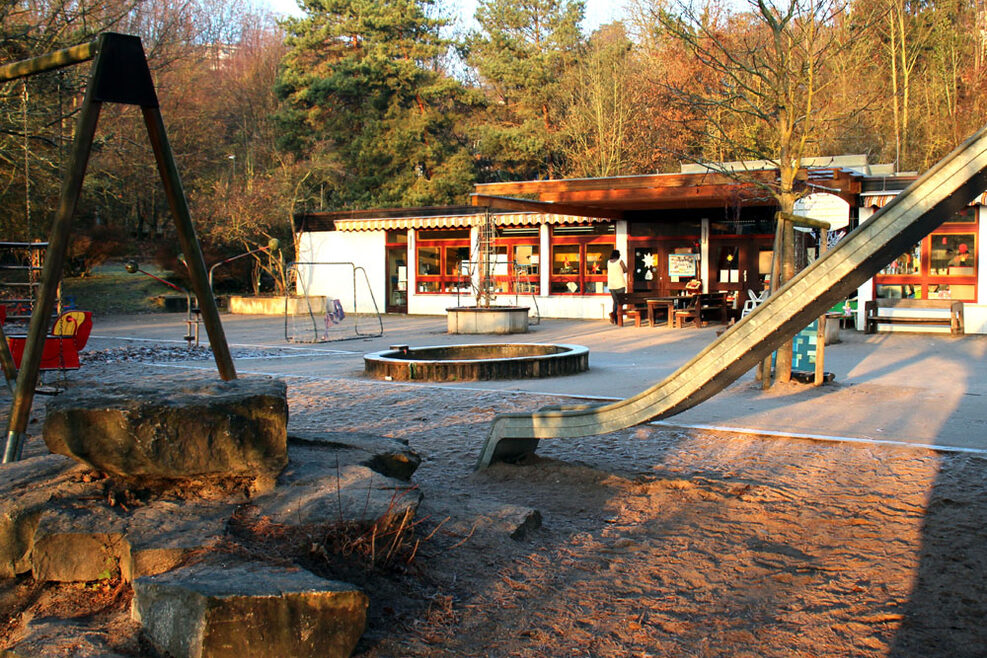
(804, 348)
(682, 264)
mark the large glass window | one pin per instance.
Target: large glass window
(952, 255)
(579, 258)
(908, 264)
(443, 261)
(517, 261)
(941, 266)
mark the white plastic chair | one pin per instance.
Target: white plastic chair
(754, 300)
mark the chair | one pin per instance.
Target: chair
(754, 300)
(692, 312)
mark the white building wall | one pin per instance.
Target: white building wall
(583, 307)
(348, 263)
(865, 292)
(975, 315)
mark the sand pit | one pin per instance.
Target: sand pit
(653, 541)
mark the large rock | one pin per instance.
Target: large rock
(164, 534)
(245, 610)
(388, 456)
(78, 543)
(317, 488)
(175, 428)
(60, 519)
(468, 515)
(26, 487)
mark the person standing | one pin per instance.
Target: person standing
(616, 271)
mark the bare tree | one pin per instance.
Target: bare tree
(758, 93)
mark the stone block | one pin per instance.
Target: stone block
(388, 456)
(174, 428)
(248, 609)
(471, 515)
(77, 543)
(164, 534)
(315, 489)
(25, 488)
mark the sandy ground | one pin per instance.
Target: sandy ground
(654, 542)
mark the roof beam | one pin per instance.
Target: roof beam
(716, 194)
(527, 205)
(617, 182)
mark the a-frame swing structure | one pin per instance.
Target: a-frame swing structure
(119, 75)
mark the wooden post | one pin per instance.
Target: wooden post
(7, 361)
(189, 243)
(821, 327)
(27, 377)
(772, 286)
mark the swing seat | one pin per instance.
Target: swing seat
(61, 348)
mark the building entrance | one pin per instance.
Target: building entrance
(397, 279)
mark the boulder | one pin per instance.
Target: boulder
(388, 456)
(243, 610)
(174, 428)
(26, 487)
(164, 534)
(78, 543)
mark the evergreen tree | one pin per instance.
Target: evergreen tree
(521, 56)
(365, 76)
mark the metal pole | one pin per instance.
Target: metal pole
(48, 62)
(27, 377)
(189, 243)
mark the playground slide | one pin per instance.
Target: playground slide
(946, 188)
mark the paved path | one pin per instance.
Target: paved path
(911, 388)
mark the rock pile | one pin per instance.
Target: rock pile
(187, 456)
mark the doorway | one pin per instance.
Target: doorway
(663, 267)
(397, 272)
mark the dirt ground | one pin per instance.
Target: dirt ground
(653, 542)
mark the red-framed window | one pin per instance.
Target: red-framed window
(579, 258)
(942, 266)
(442, 260)
(517, 260)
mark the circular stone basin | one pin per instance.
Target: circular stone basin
(444, 363)
(487, 319)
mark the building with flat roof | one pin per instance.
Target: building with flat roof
(551, 240)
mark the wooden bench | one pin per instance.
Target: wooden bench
(701, 307)
(633, 307)
(942, 312)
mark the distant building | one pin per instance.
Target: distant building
(553, 237)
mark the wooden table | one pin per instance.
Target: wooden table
(668, 303)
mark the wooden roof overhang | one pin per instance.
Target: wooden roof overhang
(614, 196)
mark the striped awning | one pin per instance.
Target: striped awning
(458, 221)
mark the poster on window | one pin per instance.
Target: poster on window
(682, 264)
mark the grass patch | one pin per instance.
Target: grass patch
(114, 292)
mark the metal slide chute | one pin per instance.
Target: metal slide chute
(938, 194)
